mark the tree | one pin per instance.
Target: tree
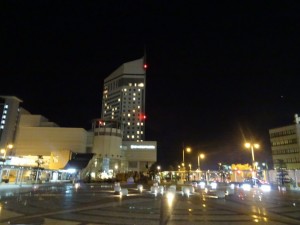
(153, 171)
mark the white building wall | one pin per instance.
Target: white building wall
(107, 142)
(44, 140)
(140, 154)
(285, 145)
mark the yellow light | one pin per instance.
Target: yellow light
(247, 145)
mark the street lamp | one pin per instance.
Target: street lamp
(4, 150)
(116, 169)
(200, 156)
(252, 146)
(188, 150)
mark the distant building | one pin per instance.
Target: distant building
(9, 113)
(38, 136)
(119, 135)
(123, 99)
(285, 145)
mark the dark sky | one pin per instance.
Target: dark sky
(219, 73)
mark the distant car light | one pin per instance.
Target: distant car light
(202, 184)
(265, 187)
(246, 187)
(214, 185)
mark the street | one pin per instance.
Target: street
(65, 203)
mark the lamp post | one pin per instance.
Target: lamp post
(188, 150)
(116, 170)
(252, 146)
(3, 151)
(200, 156)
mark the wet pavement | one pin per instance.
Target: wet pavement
(88, 204)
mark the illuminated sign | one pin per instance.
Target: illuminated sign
(142, 146)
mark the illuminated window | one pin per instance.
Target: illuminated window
(6, 107)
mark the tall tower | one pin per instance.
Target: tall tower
(9, 112)
(124, 99)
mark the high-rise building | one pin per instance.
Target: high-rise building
(124, 99)
(9, 112)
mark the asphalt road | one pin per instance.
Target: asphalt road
(91, 204)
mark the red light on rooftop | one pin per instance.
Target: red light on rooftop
(142, 117)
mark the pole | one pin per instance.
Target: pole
(253, 164)
(253, 160)
(198, 162)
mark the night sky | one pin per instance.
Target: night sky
(218, 73)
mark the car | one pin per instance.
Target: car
(253, 182)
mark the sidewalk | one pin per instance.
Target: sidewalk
(10, 186)
(24, 186)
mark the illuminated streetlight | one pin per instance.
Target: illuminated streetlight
(10, 146)
(200, 156)
(158, 168)
(4, 150)
(116, 169)
(252, 146)
(188, 150)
